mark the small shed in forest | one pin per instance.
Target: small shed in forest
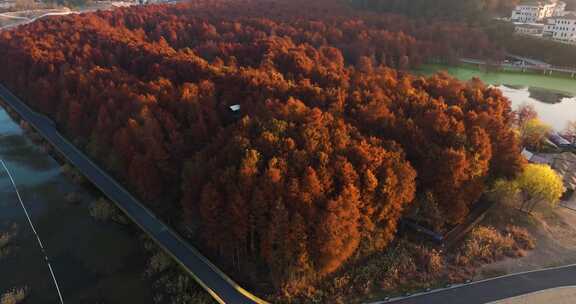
(235, 111)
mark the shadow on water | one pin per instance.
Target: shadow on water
(94, 262)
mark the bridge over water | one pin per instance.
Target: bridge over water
(525, 65)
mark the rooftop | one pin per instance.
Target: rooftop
(565, 165)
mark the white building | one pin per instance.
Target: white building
(561, 28)
(6, 4)
(529, 29)
(532, 11)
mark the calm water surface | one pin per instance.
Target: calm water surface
(553, 97)
(94, 262)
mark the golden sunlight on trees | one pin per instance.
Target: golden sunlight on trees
(540, 183)
(536, 184)
(328, 189)
(331, 144)
(534, 132)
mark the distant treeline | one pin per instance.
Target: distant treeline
(461, 10)
(552, 52)
(481, 13)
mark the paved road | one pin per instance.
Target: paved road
(222, 288)
(25, 20)
(500, 288)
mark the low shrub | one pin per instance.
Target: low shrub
(104, 210)
(487, 244)
(14, 296)
(73, 173)
(158, 263)
(407, 266)
(73, 198)
(170, 283)
(6, 240)
(522, 237)
(403, 266)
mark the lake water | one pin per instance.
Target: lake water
(94, 262)
(553, 97)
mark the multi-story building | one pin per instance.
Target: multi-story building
(5, 4)
(561, 28)
(532, 11)
(529, 29)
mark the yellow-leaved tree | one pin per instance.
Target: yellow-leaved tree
(539, 183)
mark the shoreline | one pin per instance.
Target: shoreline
(465, 72)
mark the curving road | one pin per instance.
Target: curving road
(220, 286)
(500, 288)
(26, 20)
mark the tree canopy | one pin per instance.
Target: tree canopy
(332, 145)
(540, 183)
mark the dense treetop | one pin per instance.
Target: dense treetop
(332, 145)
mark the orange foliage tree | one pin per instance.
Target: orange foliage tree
(333, 145)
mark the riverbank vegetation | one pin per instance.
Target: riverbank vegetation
(14, 296)
(171, 284)
(332, 145)
(410, 266)
(103, 210)
(72, 173)
(7, 235)
(532, 131)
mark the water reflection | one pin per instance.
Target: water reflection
(553, 107)
(94, 262)
(553, 97)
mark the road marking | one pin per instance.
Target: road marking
(34, 230)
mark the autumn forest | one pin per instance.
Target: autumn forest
(335, 140)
